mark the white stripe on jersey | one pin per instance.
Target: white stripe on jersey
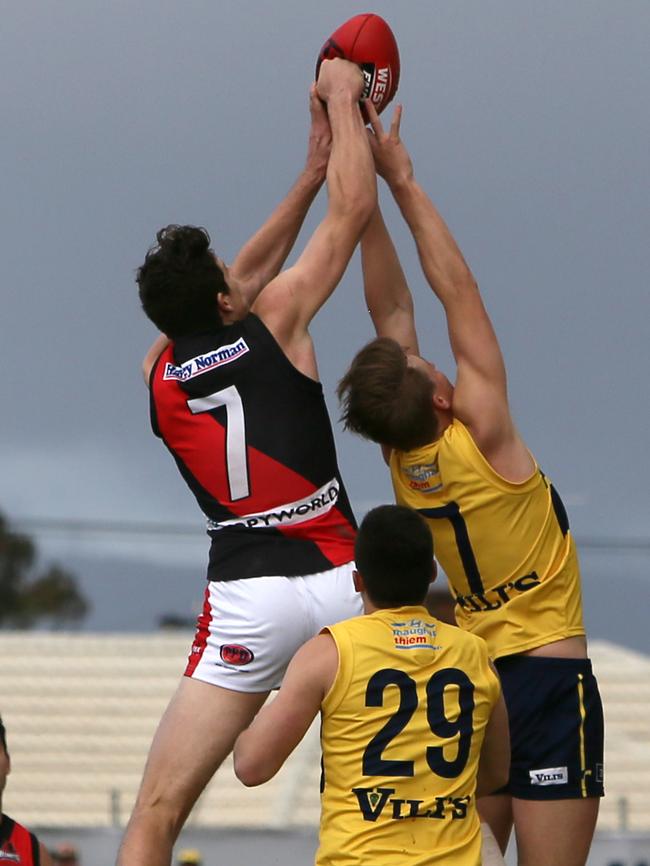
(315, 505)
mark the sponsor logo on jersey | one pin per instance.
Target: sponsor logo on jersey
(414, 634)
(375, 802)
(236, 654)
(208, 361)
(549, 776)
(423, 477)
(493, 599)
(315, 505)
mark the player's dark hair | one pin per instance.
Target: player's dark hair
(3, 736)
(179, 282)
(385, 400)
(394, 555)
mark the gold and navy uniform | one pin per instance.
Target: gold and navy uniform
(402, 728)
(556, 728)
(506, 547)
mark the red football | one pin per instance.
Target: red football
(367, 40)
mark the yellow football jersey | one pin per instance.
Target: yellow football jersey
(402, 728)
(506, 548)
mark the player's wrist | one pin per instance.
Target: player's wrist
(313, 174)
(402, 182)
(344, 97)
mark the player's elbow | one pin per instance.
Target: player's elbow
(363, 204)
(492, 778)
(251, 770)
(355, 205)
(459, 286)
(501, 776)
(248, 774)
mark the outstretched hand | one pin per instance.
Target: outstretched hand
(392, 160)
(320, 135)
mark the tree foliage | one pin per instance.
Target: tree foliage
(28, 594)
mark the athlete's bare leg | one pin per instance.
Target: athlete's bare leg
(195, 735)
(550, 832)
(497, 812)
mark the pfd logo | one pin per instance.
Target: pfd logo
(235, 654)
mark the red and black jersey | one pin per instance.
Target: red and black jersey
(17, 845)
(252, 438)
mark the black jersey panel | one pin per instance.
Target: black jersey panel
(285, 413)
(6, 827)
(265, 554)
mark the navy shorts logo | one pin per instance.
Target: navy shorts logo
(235, 654)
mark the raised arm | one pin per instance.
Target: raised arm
(480, 396)
(277, 729)
(262, 257)
(264, 254)
(387, 293)
(289, 303)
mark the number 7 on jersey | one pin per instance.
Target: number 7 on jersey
(236, 463)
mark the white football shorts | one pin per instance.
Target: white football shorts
(250, 629)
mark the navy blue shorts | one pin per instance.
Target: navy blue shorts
(556, 728)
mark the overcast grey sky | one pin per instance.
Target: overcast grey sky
(528, 124)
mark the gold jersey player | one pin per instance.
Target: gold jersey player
(500, 529)
(413, 720)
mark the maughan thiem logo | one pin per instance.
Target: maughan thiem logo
(424, 477)
(414, 634)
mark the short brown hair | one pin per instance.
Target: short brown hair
(385, 400)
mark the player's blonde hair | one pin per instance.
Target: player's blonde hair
(385, 400)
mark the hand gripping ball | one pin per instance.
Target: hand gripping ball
(368, 41)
